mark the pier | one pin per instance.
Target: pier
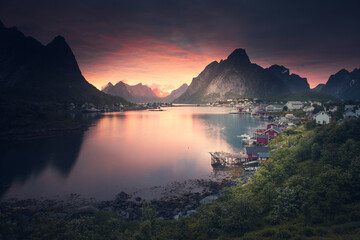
(224, 159)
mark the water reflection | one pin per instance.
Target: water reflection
(22, 161)
(125, 152)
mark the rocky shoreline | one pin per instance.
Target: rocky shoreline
(175, 200)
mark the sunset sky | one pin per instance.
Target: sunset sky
(164, 44)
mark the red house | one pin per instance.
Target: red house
(262, 139)
(261, 130)
(263, 156)
(273, 132)
(252, 153)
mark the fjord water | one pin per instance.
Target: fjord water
(123, 151)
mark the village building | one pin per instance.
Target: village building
(308, 109)
(274, 108)
(263, 156)
(273, 132)
(316, 103)
(322, 118)
(333, 109)
(294, 105)
(351, 114)
(349, 107)
(262, 139)
(289, 116)
(252, 153)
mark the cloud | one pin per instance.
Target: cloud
(151, 37)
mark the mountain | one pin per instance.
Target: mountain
(36, 73)
(318, 88)
(120, 89)
(233, 77)
(344, 85)
(141, 93)
(175, 93)
(294, 82)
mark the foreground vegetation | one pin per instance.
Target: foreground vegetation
(308, 189)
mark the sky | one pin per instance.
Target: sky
(166, 43)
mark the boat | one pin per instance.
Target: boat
(249, 141)
(156, 110)
(244, 136)
(234, 111)
(92, 110)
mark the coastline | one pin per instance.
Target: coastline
(171, 201)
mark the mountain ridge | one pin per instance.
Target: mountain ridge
(35, 72)
(141, 93)
(344, 85)
(232, 77)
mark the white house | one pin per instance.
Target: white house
(274, 108)
(333, 109)
(294, 105)
(351, 114)
(308, 109)
(349, 107)
(321, 118)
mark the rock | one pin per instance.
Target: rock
(190, 212)
(110, 209)
(208, 199)
(123, 196)
(87, 209)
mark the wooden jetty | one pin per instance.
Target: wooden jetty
(224, 159)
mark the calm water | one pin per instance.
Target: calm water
(123, 152)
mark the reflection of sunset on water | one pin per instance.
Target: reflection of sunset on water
(126, 151)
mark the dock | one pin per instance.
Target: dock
(224, 159)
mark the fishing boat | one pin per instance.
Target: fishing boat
(234, 111)
(244, 136)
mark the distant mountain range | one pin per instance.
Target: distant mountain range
(237, 76)
(32, 72)
(141, 93)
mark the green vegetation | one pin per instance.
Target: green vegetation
(308, 189)
(302, 96)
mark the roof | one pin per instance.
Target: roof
(275, 106)
(263, 155)
(256, 150)
(294, 102)
(275, 129)
(322, 112)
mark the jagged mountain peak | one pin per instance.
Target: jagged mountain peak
(279, 68)
(238, 56)
(58, 42)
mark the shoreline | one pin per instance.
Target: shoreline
(176, 199)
